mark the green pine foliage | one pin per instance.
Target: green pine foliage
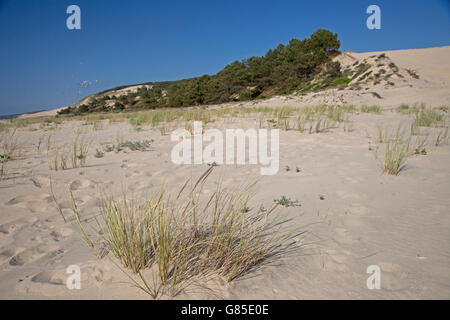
(281, 70)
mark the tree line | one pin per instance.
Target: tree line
(282, 70)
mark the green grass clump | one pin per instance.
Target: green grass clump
(441, 137)
(286, 202)
(98, 154)
(188, 235)
(131, 145)
(80, 148)
(403, 108)
(395, 156)
(4, 158)
(429, 118)
(135, 145)
(9, 144)
(340, 81)
(371, 109)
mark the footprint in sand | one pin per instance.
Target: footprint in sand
(99, 274)
(348, 195)
(358, 209)
(9, 253)
(51, 282)
(32, 254)
(41, 181)
(133, 174)
(129, 165)
(61, 233)
(49, 277)
(344, 236)
(395, 281)
(140, 185)
(14, 226)
(80, 184)
(79, 201)
(34, 202)
(389, 266)
(350, 180)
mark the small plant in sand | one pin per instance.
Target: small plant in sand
(348, 124)
(415, 129)
(9, 144)
(187, 236)
(287, 168)
(297, 169)
(60, 160)
(98, 154)
(441, 137)
(336, 114)
(134, 145)
(404, 108)
(109, 148)
(429, 118)
(272, 123)
(49, 143)
(371, 109)
(420, 147)
(97, 125)
(163, 129)
(321, 125)
(80, 148)
(285, 124)
(4, 158)
(422, 151)
(395, 156)
(287, 202)
(39, 144)
(300, 123)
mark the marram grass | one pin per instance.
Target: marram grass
(189, 235)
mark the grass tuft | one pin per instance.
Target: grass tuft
(429, 118)
(395, 157)
(190, 235)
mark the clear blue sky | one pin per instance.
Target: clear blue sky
(42, 63)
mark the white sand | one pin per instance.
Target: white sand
(400, 223)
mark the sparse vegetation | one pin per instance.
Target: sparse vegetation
(287, 202)
(413, 73)
(429, 118)
(441, 137)
(9, 144)
(80, 148)
(131, 145)
(371, 109)
(340, 81)
(98, 154)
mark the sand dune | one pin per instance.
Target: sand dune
(354, 215)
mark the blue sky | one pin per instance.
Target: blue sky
(42, 63)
